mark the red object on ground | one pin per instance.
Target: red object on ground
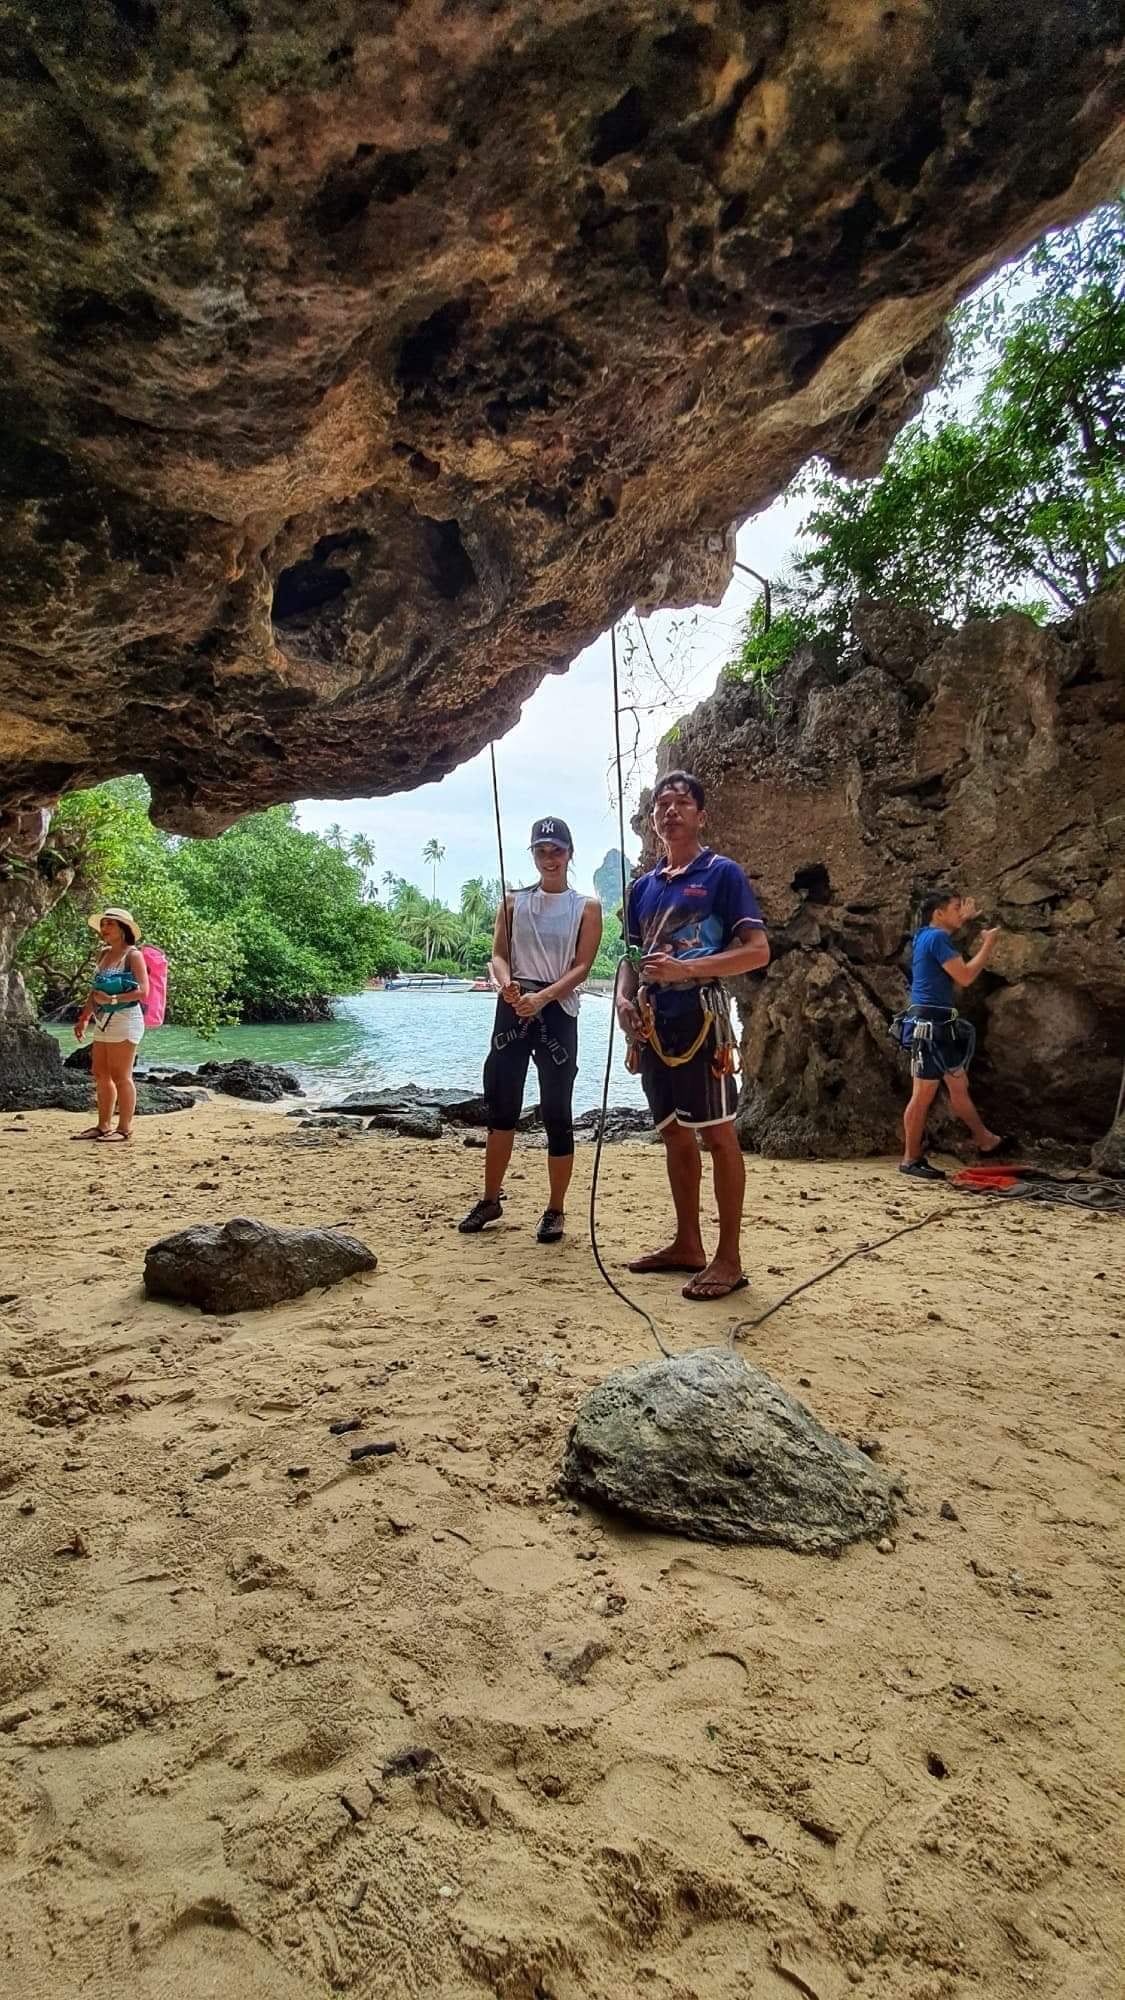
(987, 1180)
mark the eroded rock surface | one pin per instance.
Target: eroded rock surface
(992, 759)
(262, 1082)
(706, 1446)
(362, 361)
(241, 1265)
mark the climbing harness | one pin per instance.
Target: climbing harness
(914, 1034)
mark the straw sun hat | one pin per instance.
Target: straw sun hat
(118, 917)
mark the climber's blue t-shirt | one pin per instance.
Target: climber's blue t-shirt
(930, 984)
(692, 913)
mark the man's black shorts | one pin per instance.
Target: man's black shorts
(947, 1048)
(690, 1093)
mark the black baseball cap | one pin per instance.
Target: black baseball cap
(555, 830)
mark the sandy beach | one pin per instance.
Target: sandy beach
(280, 1735)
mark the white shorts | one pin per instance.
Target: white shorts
(126, 1025)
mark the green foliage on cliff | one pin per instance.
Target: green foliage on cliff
(770, 643)
(1008, 491)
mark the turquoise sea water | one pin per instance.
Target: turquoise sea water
(378, 1040)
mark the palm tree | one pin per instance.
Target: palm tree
(362, 852)
(442, 930)
(434, 852)
(478, 904)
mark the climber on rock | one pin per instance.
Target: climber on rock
(695, 919)
(939, 1041)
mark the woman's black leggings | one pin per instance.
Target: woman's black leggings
(551, 1042)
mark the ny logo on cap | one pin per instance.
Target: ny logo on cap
(546, 826)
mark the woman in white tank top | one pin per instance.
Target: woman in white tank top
(552, 933)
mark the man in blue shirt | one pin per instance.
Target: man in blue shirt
(695, 922)
(940, 1042)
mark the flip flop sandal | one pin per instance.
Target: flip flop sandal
(93, 1132)
(708, 1298)
(114, 1139)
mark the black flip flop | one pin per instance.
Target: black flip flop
(713, 1298)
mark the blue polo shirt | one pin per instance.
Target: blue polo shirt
(691, 913)
(930, 985)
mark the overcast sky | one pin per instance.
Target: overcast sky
(558, 758)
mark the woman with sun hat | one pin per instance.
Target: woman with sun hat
(114, 1010)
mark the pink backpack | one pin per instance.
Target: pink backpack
(157, 985)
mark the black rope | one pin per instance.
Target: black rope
(500, 852)
(667, 1352)
(614, 1287)
(620, 792)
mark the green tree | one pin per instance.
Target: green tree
(120, 857)
(434, 852)
(612, 945)
(480, 900)
(266, 922)
(297, 904)
(770, 641)
(1014, 483)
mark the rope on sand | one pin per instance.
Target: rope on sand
(861, 1250)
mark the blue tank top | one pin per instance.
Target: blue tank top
(116, 981)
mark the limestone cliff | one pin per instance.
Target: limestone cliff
(990, 758)
(362, 360)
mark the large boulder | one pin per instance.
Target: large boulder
(706, 1446)
(263, 1082)
(362, 361)
(31, 1068)
(991, 758)
(241, 1265)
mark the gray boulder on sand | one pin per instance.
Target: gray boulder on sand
(240, 1265)
(706, 1446)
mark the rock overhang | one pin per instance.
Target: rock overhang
(362, 363)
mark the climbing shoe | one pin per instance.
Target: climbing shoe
(551, 1226)
(921, 1170)
(481, 1213)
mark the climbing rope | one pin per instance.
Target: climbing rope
(628, 955)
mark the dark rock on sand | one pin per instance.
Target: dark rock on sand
(622, 1121)
(264, 1082)
(241, 1265)
(413, 1121)
(31, 1069)
(33, 1077)
(706, 1446)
